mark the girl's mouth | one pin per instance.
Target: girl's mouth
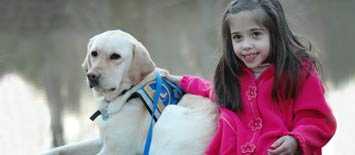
(250, 57)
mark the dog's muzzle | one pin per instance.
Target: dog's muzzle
(93, 80)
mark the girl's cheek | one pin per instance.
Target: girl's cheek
(236, 48)
(237, 52)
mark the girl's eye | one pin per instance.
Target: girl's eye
(237, 37)
(256, 34)
(94, 53)
(115, 56)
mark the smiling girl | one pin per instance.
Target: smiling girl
(271, 99)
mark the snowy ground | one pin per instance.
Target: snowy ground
(24, 119)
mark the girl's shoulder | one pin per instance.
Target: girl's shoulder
(308, 67)
(309, 71)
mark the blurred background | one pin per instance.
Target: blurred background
(45, 102)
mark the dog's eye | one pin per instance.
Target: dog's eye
(115, 56)
(94, 53)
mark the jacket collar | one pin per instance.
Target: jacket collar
(266, 73)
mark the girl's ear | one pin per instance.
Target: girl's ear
(86, 63)
(141, 64)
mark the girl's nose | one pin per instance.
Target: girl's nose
(246, 45)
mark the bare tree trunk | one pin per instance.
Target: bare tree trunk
(52, 87)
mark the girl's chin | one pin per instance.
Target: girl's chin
(252, 65)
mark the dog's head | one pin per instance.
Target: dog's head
(114, 62)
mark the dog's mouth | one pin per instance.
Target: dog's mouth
(95, 84)
(112, 89)
(104, 90)
(109, 90)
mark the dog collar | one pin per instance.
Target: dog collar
(103, 110)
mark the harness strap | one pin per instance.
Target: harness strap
(144, 99)
(148, 140)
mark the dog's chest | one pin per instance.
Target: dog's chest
(129, 115)
(124, 130)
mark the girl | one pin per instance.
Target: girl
(267, 86)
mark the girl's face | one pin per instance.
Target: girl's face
(251, 41)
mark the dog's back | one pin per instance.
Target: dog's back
(186, 128)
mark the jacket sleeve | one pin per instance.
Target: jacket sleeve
(224, 141)
(196, 85)
(314, 123)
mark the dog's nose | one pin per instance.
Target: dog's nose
(93, 79)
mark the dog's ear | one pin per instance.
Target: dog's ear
(141, 65)
(86, 63)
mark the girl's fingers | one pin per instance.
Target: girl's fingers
(277, 143)
(278, 150)
(283, 146)
(174, 78)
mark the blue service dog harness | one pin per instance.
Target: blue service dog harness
(156, 94)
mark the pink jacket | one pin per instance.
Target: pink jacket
(261, 122)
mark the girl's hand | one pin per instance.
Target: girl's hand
(174, 78)
(286, 145)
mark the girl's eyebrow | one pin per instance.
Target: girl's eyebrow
(235, 33)
(257, 29)
(252, 29)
